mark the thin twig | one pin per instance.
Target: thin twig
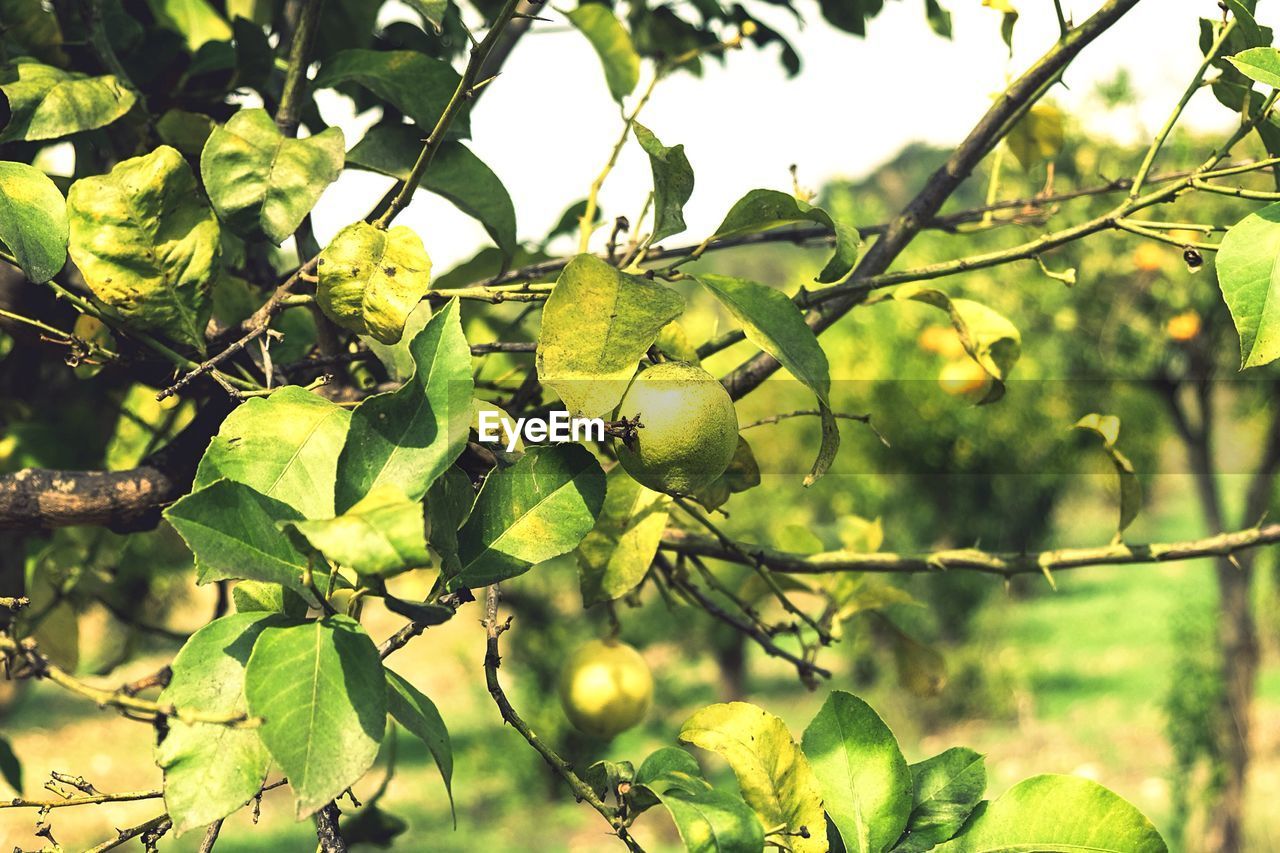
(34, 664)
(462, 95)
(748, 558)
(492, 660)
(809, 671)
(153, 829)
(87, 800)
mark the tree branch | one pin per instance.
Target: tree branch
(492, 660)
(289, 113)
(39, 498)
(925, 206)
(1005, 564)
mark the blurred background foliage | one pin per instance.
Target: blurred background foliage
(1114, 675)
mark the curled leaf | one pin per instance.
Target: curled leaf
(370, 279)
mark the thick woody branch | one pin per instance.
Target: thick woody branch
(1005, 564)
(39, 498)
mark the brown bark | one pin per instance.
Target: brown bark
(39, 498)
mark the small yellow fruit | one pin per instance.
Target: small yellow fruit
(1184, 326)
(689, 433)
(1037, 136)
(1148, 257)
(943, 340)
(605, 688)
(965, 378)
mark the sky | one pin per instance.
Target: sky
(547, 124)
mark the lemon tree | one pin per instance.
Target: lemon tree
(206, 393)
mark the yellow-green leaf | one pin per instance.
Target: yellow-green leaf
(774, 775)
(617, 54)
(1057, 814)
(33, 220)
(147, 243)
(616, 554)
(49, 103)
(987, 336)
(383, 532)
(1130, 488)
(596, 325)
(263, 182)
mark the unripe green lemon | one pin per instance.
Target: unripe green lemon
(605, 688)
(690, 428)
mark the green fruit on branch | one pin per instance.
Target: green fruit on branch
(689, 432)
(605, 688)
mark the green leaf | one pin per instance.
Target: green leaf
(412, 82)
(380, 534)
(938, 17)
(448, 506)
(148, 244)
(537, 509)
(186, 131)
(410, 436)
(49, 103)
(212, 770)
(28, 24)
(33, 220)
(617, 54)
(412, 709)
(864, 779)
(764, 210)
(456, 174)
(371, 279)
(596, 325)
(1130, 488)
(774, 323)
(260, 597)
(1057, 814)
(667, 760)
(946, 788)
(285, 446)
(233, 532)
(1259, 63)
(709, 821)
(616, 554)
(672, 183)
(321, 693)
(196, 20)
(10, 766)
(1247, 25)
(742, 474)
(432, 11)
(263, 182)
(987, 336)
(773, 774)
(1248, 265)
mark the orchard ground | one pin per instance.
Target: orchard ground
(1076, 679)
